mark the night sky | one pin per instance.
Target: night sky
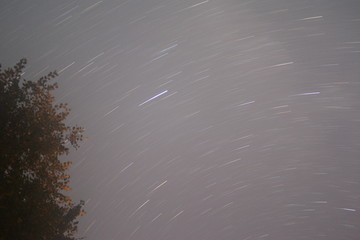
(207, 120)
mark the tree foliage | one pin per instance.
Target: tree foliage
(33, 180)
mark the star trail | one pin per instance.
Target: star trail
(215, 119)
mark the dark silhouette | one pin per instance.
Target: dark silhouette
(33, 180)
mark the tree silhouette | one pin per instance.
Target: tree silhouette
(33, 180)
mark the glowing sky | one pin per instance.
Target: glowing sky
(218, 119)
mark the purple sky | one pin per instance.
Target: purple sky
(218, 119)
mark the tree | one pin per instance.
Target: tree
(33, 180)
